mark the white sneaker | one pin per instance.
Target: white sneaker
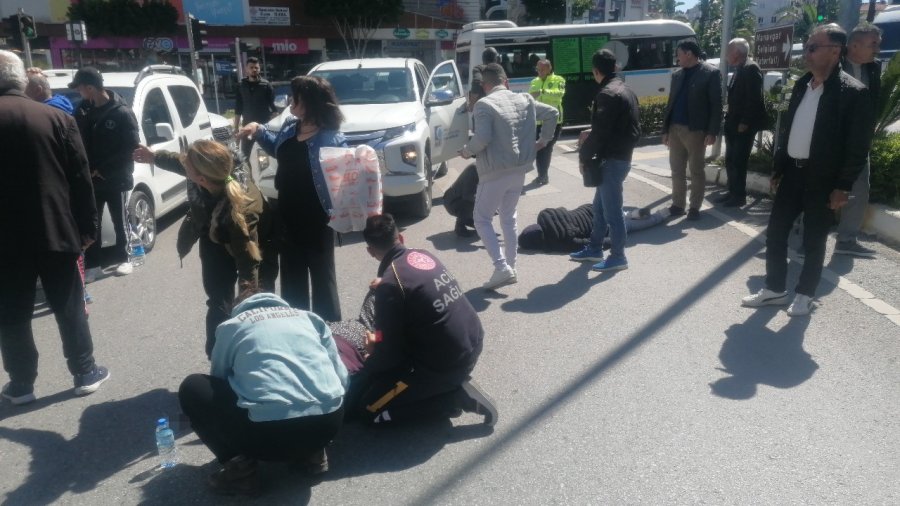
(501, 277)
(91, 275)
(764, 297)
(124, 269)
(800, 306)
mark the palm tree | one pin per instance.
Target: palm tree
(888, 108)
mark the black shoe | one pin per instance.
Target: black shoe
(735, 203)
(238, 476)
(676, 210)
(721, 199)
(88, 383)
(693, 214)
(18, 392)
(539, 181)
(461, 229)
(474, 400)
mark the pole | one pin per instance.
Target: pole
(26, 43)
(191, 48)
(727, 22)
(237, 58)
(568, 12)
(215, 80)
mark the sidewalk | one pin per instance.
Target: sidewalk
(881, 221)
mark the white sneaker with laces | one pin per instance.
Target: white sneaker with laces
(91, 275)
(501, 277)
(124, 269)
(764, 297)
(800, 306)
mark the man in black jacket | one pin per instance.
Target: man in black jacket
(426, 342)
(254, 102)
(862, 48)
(110, 134)
(48, 215)
(615, 129)
(691, 122)
(823, 143)
(746, 116)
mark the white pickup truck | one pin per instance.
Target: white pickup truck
(415, 122)
(171, 115)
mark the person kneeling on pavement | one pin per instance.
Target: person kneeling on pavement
(426, 342)
(275, 392)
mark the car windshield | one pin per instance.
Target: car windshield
(370, 86)
(75, 98)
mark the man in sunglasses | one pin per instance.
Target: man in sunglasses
(823, 145)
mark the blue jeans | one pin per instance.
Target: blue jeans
(608, 207)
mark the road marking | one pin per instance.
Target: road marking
(842, 283)
(650, 155)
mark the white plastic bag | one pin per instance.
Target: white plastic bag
(353, 177)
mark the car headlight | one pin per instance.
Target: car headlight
(262, 159)
(395, 132)
(409, 155)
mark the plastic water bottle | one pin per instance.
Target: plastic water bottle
(165, 444)
(135, 248)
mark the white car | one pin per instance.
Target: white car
(171, 115)
(771, 79)
(415, 122)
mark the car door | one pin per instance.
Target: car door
(157, 109)
(445, 109)
(191, 111)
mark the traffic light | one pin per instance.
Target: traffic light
(26, 22)
(13, 31)
(820, 11)
(198, 32)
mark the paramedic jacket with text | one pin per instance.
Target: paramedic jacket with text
(422, 316)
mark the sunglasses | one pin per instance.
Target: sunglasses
(812, 48)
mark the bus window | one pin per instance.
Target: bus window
(462, 63)
(650, 53)
(519, 61)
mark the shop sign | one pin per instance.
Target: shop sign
(442, 34)
(158, 44)
(286, 46)
(401, 33)
(272, 16)
(421, 33)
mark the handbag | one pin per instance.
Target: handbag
(593, 173)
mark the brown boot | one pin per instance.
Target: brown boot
(238, 476)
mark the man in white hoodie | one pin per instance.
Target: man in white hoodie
(505, 126)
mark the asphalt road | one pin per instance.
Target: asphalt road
(646, 386)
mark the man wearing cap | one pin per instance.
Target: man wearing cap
(110, 134)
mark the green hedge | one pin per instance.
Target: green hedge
(885, 167)
(652, 109)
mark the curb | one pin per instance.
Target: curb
(881, 221)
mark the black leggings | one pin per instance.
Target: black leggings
(227, 430)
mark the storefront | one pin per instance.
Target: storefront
(429, 45)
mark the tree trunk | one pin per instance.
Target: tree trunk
(870, 16)
(848, 15)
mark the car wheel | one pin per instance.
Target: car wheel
(442, 171)
(141, 218)
(422, 203)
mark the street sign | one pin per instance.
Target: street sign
(773, 47)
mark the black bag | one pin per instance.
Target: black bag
(593, 173)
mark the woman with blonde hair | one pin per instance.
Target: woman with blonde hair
(231, 220)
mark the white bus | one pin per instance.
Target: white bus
(645, 51)
(889, 22)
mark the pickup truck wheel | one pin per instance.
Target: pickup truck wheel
(141, 217)
(421, 207)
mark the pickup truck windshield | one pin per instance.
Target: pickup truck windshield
(370, 86)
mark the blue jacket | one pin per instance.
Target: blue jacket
(62, 103)
(271, 141)
(281, 362)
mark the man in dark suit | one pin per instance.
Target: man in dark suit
(49, 216)
(862, 48)
(746, 116)
(824, 139)
(691, 122)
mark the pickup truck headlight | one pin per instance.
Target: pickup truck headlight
(395, 132)
(409, 155)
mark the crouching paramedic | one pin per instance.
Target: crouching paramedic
(426, 342)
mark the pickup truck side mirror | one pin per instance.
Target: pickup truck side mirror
(281, 101)
(164, 132)
(439, 97)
